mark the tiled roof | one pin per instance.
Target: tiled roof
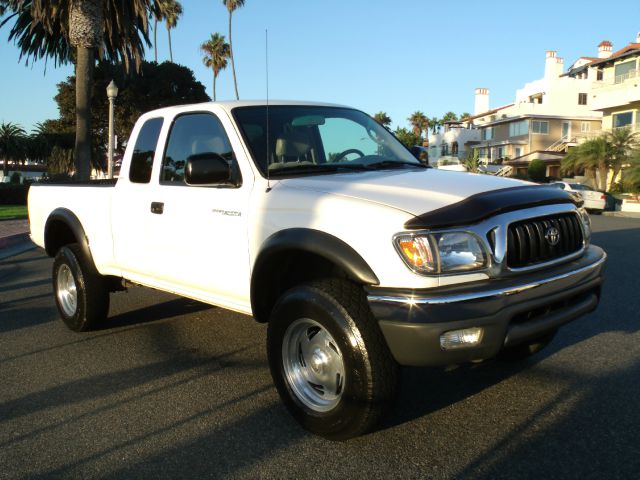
(620, 53)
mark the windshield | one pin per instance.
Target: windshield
(311, 139)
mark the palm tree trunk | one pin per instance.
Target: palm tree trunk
(603, 170)
(170, 49)
(214, 86)
(155, 39)
(233, 64)
(616, 172)
(84, 80)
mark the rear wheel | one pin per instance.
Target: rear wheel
(329, 360)
(81, 293)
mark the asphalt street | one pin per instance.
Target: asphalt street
(172, 388)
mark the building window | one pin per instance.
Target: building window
(518, 152)
(500, 153)
(540, 127)
(600, 75)
(585, 127)
(444, 149)
(582, 99)
(519, 128)
(625, 70)
(487, 133)
(454, 148)
(622, 119)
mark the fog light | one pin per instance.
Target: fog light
(469, 337)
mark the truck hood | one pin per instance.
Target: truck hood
(413, 191)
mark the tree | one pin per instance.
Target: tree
(155, 86)
(168, 11)
(73, 30)
(592, 156)
(419, 122)
(171, 20)
(465, 116)
(623, 142)
(383, 119)
(12, 144)
(233, 5)
(449, 117)
(537, 170)
(407, 138)
(216, 52)
(471, 162)
(434, 122)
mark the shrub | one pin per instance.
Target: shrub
(537, 170)
(12, 194)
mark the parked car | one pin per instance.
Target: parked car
(594, 201)
(314, 219)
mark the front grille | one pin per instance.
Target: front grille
(528, 241)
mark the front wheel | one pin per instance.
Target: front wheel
(81, 293)
(329, 360)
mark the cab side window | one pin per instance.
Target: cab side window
(144, 150)
(191, 135)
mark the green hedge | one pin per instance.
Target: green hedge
(11, 194)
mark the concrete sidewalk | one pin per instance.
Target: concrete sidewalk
(14, 237)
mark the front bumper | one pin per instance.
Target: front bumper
(510, 311)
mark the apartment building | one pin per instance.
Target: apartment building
(451, 145)
(615, 84)
(549, 116)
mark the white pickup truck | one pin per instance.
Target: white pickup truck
(315, 219)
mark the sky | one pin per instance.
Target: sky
(375, 55)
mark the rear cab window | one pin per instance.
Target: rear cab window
(144, 150)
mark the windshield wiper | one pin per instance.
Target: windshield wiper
(313, 168)
(393, 164)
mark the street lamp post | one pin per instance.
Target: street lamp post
(112, 93)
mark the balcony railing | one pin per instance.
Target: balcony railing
(625, 76)
(617, 80)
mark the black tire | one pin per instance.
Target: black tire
(91, 305)
(370, 372)
(521, 352)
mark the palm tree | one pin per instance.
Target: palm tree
(383, 119)
(419, 122)
(464, 116)
(12, 144)
(171, 20)
(593, 156)
(623, 143)
(73, 30)
(434, 122)
(216, 52)
(233, 5)
(168, 11)
(449, 117)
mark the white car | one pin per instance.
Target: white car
(593, 200)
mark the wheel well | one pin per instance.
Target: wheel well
(284, 270)
(57, 235)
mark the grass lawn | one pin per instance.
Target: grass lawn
(13, 212)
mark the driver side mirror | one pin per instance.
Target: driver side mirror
(208, 169)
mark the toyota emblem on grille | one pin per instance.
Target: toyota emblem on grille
(552, 235)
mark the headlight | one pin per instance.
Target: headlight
(442, 252)
(586, 223)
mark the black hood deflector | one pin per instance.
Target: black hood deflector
(487, 204)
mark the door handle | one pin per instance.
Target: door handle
(157, 208)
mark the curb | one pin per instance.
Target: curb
(622, 214)
(12, 240)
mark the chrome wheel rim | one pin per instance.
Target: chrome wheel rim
(66, 291)
(313, 365)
